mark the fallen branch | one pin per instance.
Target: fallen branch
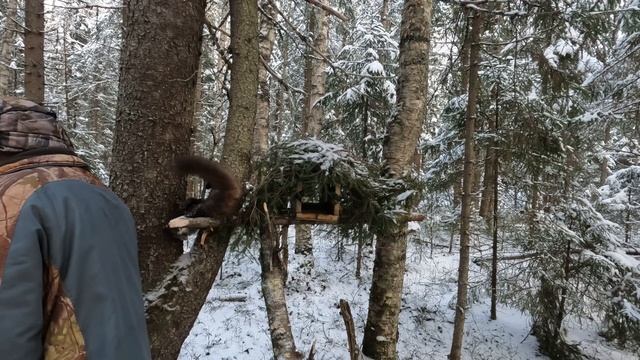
(345, 312)
(479, 260)
(232, 298)
(312, 352)
(524, 256)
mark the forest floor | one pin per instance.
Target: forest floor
(238, 329)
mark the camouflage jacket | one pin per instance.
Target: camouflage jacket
(69, 279)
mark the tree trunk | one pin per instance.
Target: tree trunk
(604, 165)
(384, 15)
(267, 36)
(153, 120)
(627, 223)
(273, 270)
(381, 330)
(34, 50)
(186, 291)
(494, 253)
(312, 112)
(467, 196)
(464, 88)
(490, 164)
(68, 100)
(6, 47)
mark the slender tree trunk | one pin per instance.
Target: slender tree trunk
(495, 176)
(467, 197)
(604, 165)
(381, 329)
(186, 289)
(464, 88)
(34, 50)
(279, 115)
(6, 47)
(312, 112)
(563, 293)
(490, 164)
(384, 15)
(627, 223)
(267, 36)
(360, 247)
(68, 100)
(273, 289)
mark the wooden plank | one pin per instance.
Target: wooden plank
(194, 223)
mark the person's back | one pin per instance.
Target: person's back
(69, 279)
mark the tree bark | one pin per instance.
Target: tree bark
(6, 47)
(186, 291)
(381, 329)
(467, 196)
(267, 36)
(34, 50)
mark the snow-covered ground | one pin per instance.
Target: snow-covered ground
(238, 330)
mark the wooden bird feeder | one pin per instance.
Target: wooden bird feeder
(323, 207)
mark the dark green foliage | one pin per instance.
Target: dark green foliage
(370, 203)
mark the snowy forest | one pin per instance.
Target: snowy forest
(420, 179)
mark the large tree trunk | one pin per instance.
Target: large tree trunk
(34, 50)
(381, 329)
(154, 115)
(185, 290)
(467, 196)
(267, 36)
(6, 47)
(153, 120)
(312, 111)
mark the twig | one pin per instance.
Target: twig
(345, 312)
(279, 78)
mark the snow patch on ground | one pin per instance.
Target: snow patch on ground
(238, 330)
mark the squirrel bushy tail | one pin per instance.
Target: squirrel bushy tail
(224, 198)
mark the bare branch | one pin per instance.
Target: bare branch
(328, 9)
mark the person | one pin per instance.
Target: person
(69, 280)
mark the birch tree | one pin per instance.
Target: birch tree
(381, 329)
(312, 111)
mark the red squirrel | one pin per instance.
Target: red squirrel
(225, 193)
